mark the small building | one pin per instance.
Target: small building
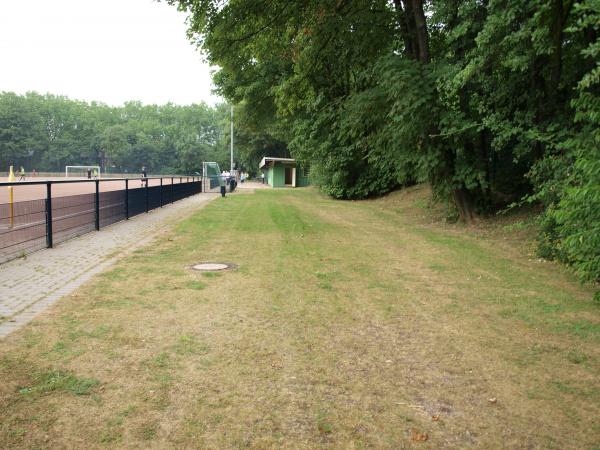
(284, 172)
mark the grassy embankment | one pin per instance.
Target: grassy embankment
(347, 324)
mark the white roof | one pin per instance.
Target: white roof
(267, 159)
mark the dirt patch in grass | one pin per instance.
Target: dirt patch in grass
(346, 325)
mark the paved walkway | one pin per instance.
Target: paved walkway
(30, 285)
(253, 185)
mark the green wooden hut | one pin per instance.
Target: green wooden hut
(284, 172)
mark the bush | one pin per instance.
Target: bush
(578, 218)
(571, 225)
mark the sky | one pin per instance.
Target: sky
(110, 51)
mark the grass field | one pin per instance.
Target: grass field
(345, 325)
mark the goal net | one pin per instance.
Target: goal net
(211, 177)
(82, 171)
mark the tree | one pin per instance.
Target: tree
(48, 132)
(490, 101)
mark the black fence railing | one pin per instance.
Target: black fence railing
(30, 225)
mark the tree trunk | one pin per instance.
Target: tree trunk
(404, 30)
(560, 13)
(421, 30)
(464, 205)
(547, 70)
(411, 28)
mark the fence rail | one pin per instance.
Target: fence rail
(30, 225)
(30, 175)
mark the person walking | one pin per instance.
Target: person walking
(22, 174)
(144, 175)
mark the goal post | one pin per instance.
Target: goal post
(81, 171)
(211, 177)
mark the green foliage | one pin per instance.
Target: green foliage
(578, 217)
(492, 102)
(48, 132)
(58, 381)
(571, 224)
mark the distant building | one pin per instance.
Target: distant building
(284, 172)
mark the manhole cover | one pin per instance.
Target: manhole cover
(211, 266)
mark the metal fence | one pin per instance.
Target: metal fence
(30, 225)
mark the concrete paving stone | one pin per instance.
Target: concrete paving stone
(30, 285)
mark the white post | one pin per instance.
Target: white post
(231, 165)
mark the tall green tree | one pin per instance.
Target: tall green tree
(47, 132)
(490, 101)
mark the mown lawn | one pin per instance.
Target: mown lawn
(345, 325)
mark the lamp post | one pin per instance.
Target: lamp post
(231, 162)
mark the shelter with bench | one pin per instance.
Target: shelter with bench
(284, 172)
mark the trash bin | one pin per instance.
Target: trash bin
(222, 190)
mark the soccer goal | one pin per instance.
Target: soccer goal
(211, 177)
(82, 171)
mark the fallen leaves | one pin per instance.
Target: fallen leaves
(418, 436)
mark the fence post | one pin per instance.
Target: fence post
(161, 195)
(49, 215)
(146, 194)
(126, 199)
(97, 201)
(172, 199)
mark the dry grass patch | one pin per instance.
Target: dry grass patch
(345, 325)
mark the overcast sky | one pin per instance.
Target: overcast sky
(106, 50)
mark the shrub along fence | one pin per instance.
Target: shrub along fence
(30, 225)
